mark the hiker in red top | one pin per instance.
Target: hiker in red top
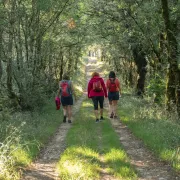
(114, 92)
(97, 91)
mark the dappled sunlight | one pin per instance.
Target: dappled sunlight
(78, 88)
(115, 154)
(118, 165)
(22, 156)
(73, 168)
(173, 156)
(166, 154)
(87, 104)
(78, 162)
(125, 172)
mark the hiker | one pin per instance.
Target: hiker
(66, 92)
(97, 90)
(114, 92)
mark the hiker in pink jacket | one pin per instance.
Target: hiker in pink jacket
(97, 90)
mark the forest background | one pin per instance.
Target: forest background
(42, 39)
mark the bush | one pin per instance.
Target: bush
(156, 89)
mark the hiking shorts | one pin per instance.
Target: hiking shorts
(65, 101)
(98, 100)
(113, 96)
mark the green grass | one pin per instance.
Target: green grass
(150, 125)
(25, 142)
(92, 146)
(24, 134)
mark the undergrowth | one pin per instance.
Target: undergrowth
(150, 123)
(23, 134)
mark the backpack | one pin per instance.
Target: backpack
(97, 87)
(65, 88)
(112, 86)
(58, 103)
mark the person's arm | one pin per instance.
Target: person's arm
(119, 86)
(89, 88)
(104, 88)
(107, 84)
(73, 91)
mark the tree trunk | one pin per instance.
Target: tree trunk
(139, 58)
(173, 76)
(10, 51)
(61, 67)
(1, 53)
(130, 78)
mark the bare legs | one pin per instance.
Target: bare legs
(113, 108)
(67, 111)
(101, 112)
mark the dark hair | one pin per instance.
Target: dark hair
(94, 74)
(112, 74)
(65, 76)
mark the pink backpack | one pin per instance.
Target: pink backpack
(112, 86)
(65, 88)
(97, 87)
(58, 103)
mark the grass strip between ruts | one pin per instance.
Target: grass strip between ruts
(92, 147)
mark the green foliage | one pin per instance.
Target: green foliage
(19, 148)
(156, 89)
(8, 146)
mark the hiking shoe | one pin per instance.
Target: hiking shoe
(97, 120)
(69, 121)
(64, 119)
(101, 119)
(112, 114)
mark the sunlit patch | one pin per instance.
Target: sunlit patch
(166, 154)
(125, 171)
(87, 104)
(173, 156)
(73, 168)
(118, 165)
(78, 163)
(22, 156)
(78, 88)
(115, 154)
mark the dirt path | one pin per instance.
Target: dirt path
(147, 166)
(91, 67)
(44, 167)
